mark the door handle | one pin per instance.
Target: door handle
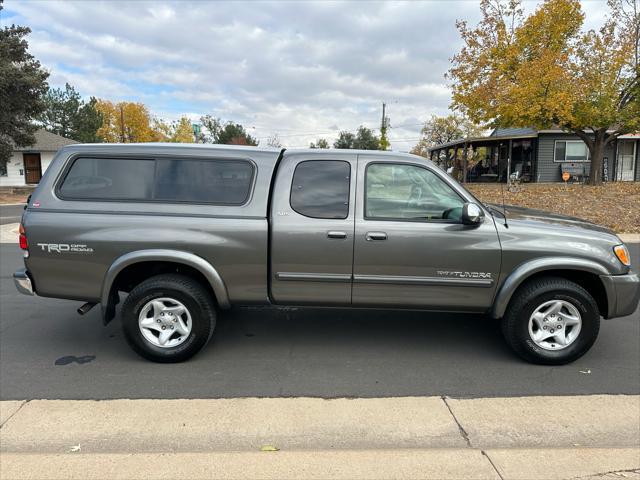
(336, 234)
(376, 236)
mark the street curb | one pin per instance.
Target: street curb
(630, 237)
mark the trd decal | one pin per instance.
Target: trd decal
(64, 248)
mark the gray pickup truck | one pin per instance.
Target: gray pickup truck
(182, 232)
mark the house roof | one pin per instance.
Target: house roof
(509, 132)
(482, 141)
(47, 142)
(500, 134)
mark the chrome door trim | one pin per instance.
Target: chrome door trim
(313, 277)
(409, 280)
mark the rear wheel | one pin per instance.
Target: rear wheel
(551, 321)
(168, 318)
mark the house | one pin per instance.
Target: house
(27, 164)
(535, 156)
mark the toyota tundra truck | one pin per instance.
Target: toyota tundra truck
(181, 233)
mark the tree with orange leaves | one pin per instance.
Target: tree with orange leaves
(126, 122)
(544, 70)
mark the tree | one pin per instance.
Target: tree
(229, 133)
(126, 122)
(23, 82)
(68, 115)
(274, 141)
(384, 141)
(89, 120)
(364, 139)
(345, 140)
(320, 143)
(182, 131)
(61, 109)
(439, 130)
(163, 130)
(543, 70)
(384, 125)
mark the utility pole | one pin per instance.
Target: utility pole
(121, 124)
(384, 124)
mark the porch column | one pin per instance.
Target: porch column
(464, 163)
(509, 162)
(614, 164)
(637, 177)
(455, 163)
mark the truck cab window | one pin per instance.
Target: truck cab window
(409, 192)
(320, 189)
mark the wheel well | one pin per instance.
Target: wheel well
(132, 275)
(589, 281)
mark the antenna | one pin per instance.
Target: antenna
(504, 208)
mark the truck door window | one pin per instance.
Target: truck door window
(320, 189)
(396, 191)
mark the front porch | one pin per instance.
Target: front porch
(488, 159)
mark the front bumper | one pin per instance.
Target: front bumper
(23, 282)
(623, 293)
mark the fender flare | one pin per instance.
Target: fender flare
(529, 268)
(175, 256)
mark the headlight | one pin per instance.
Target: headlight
(623, 254)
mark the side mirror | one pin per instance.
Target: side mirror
(472, 214)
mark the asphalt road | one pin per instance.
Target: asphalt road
(48, 351)
(10, 213)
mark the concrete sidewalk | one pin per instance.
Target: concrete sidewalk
(407, 437)
(499, 464)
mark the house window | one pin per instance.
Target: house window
(571, 151)
(3, 169)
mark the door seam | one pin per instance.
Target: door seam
(355, 213)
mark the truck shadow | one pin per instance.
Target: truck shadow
(351, 330)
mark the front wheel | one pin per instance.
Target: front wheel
(551, 321)
(168, 318)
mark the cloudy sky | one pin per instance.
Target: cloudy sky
(303, 70)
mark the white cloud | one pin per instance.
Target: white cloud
(301, 69)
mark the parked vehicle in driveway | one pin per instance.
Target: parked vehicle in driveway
(187, 231)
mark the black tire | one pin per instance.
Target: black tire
(515, 323)
(191, 294)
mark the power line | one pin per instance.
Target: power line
(333, 132)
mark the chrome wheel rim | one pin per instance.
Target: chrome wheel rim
(555, 325)
(165, 322)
